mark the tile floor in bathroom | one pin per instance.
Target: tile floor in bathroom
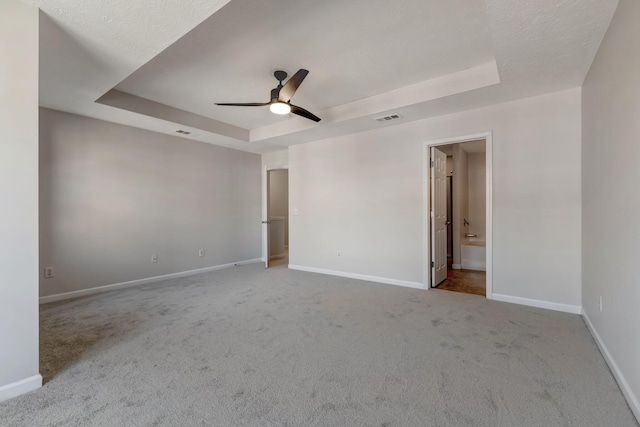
(466, 281)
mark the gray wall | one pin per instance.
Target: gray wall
(362, 194)
(611, 194)
(279, 197)
(18, 196)
(477, 174)
(112, 195)
(460, 200)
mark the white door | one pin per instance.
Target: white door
(438, 217)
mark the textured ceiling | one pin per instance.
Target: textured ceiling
(115, 37)
(354, 50)
(171, 60)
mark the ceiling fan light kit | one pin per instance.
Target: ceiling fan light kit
(280, 108)
(281, 95)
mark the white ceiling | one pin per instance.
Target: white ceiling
(353, 49)
(471, 147)
(420, 58)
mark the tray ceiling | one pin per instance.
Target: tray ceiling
(162, 65)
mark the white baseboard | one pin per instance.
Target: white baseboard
(107, 288)
(20, 387)
(574, 309)
(385, 280)
(632, 400)
(456, 266)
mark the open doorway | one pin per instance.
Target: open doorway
(458, 215)
(277, 218)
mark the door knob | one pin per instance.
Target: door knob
(266, 222)
(447, 223)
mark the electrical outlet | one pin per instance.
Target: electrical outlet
(154, 258)
(201, 252)
(600, 303)
(49, 273)
(339, 254)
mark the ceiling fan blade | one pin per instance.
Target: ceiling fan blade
(290, 87)
(304, 113)
(246, 104)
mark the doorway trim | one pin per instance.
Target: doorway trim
(426, 197)
(265, 211)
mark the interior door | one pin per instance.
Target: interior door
(438, 216)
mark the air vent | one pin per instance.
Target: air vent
(388, 118)
(183, 132)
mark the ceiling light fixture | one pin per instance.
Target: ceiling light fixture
(281, 95)
(280, 108)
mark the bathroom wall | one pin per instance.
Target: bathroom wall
(460, 200)
(477, 193)
(279, 198)
(271, 161)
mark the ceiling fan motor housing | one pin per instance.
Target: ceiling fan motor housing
(274, 94)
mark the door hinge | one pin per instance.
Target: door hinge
(433, 264)
(431, 162)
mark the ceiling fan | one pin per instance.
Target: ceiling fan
(281, 95)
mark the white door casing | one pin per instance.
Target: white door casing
(438, 216)
(488, 137)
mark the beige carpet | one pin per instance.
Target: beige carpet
(252, 347)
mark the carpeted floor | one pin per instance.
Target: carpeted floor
(247, 346)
